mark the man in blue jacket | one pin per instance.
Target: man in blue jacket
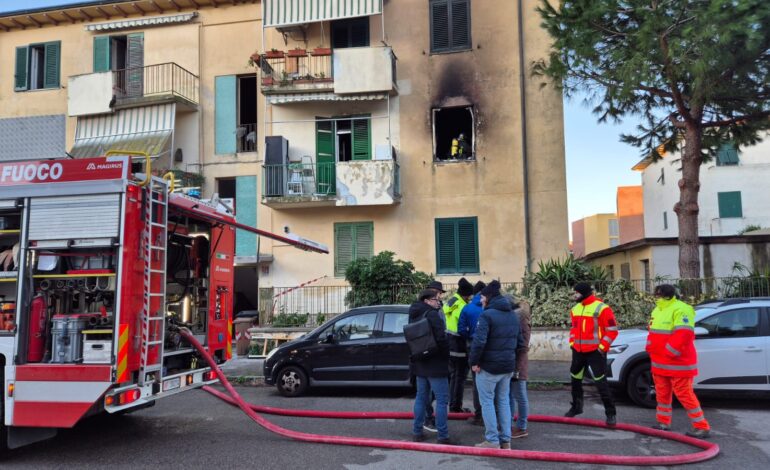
(466, 327)
(493, 358)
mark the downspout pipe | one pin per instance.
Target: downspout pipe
(524, 148)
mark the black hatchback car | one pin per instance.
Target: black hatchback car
(364, 347)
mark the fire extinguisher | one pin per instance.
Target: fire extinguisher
(37, 323)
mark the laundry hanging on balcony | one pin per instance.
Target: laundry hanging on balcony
(143, 129)
(276, 13)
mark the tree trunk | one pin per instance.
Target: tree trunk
(687, 208)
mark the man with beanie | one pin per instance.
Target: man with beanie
(458, 356)
(592, 332)
(466, 326)
(431, 371)
(671, 345)
(493, 358)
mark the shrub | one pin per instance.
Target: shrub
(284, 320)
(383, 280)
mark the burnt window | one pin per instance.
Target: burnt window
(450, 25)
(453, 138)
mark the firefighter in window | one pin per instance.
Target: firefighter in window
(460, 148)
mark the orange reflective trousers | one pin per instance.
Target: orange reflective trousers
(682, 388)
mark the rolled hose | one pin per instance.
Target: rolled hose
(710, 450)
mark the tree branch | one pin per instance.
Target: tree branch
(736, 120)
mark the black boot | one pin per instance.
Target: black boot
(575, 409)
(611, 420)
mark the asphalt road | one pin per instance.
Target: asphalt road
(196, 430)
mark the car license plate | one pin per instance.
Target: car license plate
(171, 384)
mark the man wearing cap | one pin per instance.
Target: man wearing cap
(430, 420)
(493, 358)
(466, 327)
(458, 356)
(431, 371)
(593, 331)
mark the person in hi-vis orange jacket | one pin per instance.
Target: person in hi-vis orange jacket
(673, 359)
(590, 337)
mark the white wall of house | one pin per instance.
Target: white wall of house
(720, 261)
(750, 177)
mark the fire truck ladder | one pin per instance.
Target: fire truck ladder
(154, 252)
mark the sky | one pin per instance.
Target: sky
(597, 162)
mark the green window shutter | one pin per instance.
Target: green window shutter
(135, 64)
(727, 155)
(326, 177)
(460, 36)
(446, 246)
(730, 204)
(468, 245)
(101, 54)
(362, 139)
(52, 64)
(224, 114)
(363, 234)
(20, 78)
(343, 248)
(439, 25)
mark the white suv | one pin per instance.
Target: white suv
(732, 338)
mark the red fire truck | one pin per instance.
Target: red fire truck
(99, 268)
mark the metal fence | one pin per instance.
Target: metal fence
(312, 305)
(246, 135)
(159, 79)
(299, 179)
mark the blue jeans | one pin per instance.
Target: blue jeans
(440, 387)
(494, 390)
(519, 398)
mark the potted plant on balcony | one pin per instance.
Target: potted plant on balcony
(297, 52)
(322, 51)
(274, 54)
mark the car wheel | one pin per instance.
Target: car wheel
(640, 387)
(292, 381)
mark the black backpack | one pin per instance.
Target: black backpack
(419, 338)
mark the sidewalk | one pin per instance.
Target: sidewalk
(539, 371)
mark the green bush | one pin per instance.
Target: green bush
(551, 304)
(383, 280)
(567, 272)
(284, 320)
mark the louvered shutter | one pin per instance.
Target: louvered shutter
(52, 65)
(727, 155)
(439, 26)
(101, 54)
(468, 246)
(730, 204)
(364, 240)
(326, 177)
(343, 248)
(446, 246)
(460, 35)
(361, 139)
(135, 64)
(20, 78)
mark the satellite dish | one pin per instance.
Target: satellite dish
(178, 155)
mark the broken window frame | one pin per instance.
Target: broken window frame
(436, 158)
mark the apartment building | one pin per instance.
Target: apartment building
(336, 120)
(593, 233)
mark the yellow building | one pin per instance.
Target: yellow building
(594, 233)
(361, 104)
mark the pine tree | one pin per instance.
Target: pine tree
(694, 71)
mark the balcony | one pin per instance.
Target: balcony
(350, 71)
(316, 184)
(105, 92)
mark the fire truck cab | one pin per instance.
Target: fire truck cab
(99, 269)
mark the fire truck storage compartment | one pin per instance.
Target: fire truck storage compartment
(97, 346)
(10, 230)
(94, 216)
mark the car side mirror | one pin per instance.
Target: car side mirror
(700, 331)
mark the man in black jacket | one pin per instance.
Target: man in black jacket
(493, 359)
(431, 372)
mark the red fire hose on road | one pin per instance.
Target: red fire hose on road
(709, 451)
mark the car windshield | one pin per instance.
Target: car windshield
(702, 312)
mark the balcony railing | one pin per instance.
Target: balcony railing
(155, 81)
(299, 179)
(246, 135)
(281, 70)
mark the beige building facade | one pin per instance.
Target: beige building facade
(361, 104)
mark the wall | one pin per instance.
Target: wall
(578, 238)
(89, 94)
(597, 231)
(634, 259)
(630, 212)
(749, 177)
(362, 183)
(490, 188)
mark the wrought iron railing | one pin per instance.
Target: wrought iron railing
(155, 80)
(246, 135)
(299, 179)
(288, 70)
